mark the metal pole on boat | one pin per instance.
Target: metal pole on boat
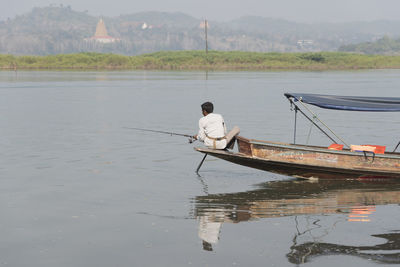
(201, 163)
(396, 147)
(295, 124)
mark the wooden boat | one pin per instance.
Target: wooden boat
(306, 161)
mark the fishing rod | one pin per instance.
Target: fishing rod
(191, 137)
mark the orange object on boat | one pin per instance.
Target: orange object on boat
(336, 147)
(379, 149)
(359, 148)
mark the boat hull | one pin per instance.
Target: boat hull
(310, 161)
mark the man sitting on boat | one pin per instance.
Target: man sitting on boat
(212, 128)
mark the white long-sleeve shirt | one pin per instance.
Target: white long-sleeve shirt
(212, 125)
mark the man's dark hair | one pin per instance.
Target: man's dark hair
(208, 107)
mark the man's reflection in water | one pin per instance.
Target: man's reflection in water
(210, 223)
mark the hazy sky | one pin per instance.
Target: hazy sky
(295, 10)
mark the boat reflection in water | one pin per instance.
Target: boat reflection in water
(356, 200)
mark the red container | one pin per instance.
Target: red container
(379, 149)
(336, 147)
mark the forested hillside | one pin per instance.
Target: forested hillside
(386, 46)
(60, 29)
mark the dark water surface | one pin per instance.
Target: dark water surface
(79, 189)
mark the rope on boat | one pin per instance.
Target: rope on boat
(309, 131)
(315, 116)
(308, 118)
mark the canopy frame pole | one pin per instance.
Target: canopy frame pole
(396, 147)
(315, 115)
(312, 121)
(295, 124)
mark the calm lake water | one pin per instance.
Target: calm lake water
(79, 189)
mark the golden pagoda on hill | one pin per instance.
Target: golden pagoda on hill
(101, 34)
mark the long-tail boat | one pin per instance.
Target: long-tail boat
(306, 161)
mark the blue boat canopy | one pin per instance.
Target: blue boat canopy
(353, 103)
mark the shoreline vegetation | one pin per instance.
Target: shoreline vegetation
(199, 60)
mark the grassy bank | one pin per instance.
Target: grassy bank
(198, 60)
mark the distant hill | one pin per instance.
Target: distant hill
(46, 31)
(386, 46)
(59, 29)
(159, 19)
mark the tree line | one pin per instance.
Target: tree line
(199, 60)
